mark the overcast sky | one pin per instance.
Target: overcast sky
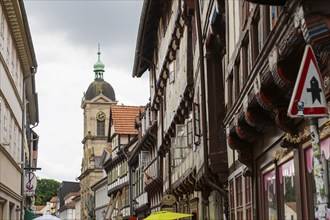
(65, 35)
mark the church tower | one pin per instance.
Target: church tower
(96, 104)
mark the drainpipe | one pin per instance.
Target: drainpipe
(22, 151)
(207, 175)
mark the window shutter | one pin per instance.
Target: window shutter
(196, 119)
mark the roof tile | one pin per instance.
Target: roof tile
(123, 117)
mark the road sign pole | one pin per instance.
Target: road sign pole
(320, 202)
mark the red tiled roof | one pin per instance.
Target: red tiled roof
(70, 204)
(71, 194)
(124, 118)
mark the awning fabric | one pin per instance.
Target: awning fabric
(29, 215)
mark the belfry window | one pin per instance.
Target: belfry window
(100, 128)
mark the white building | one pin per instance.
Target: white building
(101, 198)
(67, 211)
(18, 109)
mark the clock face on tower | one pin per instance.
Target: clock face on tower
(100, 116)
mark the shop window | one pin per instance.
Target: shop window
(270, 200)
(280, 192)
(288, 189)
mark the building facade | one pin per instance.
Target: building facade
(96, 106)
(270, 154)
(123, 137)
(144, 198)
(18, 111)
(101, 197)
(181, 44)
(68, 210)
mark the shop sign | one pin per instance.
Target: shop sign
(30, 183)
(169, 199)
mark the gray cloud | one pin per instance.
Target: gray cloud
(65, 36)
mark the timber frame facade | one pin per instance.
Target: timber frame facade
(218, 141)
(183, 150)
(269, 154)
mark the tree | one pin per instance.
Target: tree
(46, 189)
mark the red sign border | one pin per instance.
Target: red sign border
(298, 89)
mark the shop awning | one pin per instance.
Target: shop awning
(29, 215)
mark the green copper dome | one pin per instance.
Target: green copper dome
(99, 66)
(99, 86)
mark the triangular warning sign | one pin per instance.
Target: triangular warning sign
(308, 98)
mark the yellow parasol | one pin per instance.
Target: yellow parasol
(165, 215)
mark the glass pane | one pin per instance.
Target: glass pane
(288, 190)
(270, 195)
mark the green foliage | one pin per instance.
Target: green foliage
(46, 189)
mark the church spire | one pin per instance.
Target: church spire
(99, 66)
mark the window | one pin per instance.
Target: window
(114, 174)
(2, 29)
(100, 128)
(256, 37)
(230, 90)
(126, 203)
(245, 12)
(260, 35)
(196, 118)
(171, 69)
(245, 70)
(189, 133)
(273, 16)
(166, 16)
(248, 198)
(269, 180)
(238, 84)
(5, 125)
(239, 197)
(288, 189)
(232, 201)
(280, 199)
